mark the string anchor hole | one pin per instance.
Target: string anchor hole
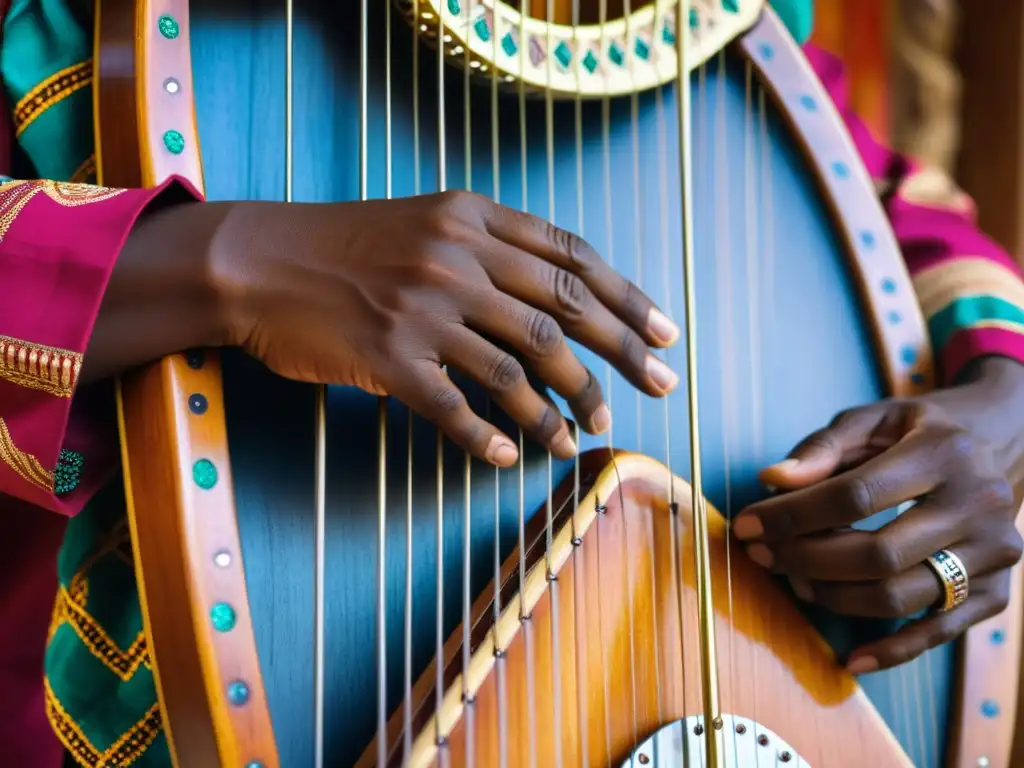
(468, 698)
(741, 729)
(552, 576)
(698, 730)
(643, 759)
(601, 509)
(577, 541)
(762, 740)
(499, 653)
(785, 756)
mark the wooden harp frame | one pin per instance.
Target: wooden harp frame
(176, 464)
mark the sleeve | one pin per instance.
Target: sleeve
(970, 290)
(58, 246)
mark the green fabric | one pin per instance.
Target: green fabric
(797, 15)
(972, 312)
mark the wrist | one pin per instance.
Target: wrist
(989, 394)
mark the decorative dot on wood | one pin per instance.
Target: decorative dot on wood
(889, 286)
(254, 764)
(238, 693)
(198, 404)
(205, 474)
(174, 142)
(168, 26)
(998, 637)
(917, 378)
(171, 85)
(223, 617)
(867, 238)
(894, 318)
(989, 708)
(195, 358)
(808, 103)
(908, 355)
(840, 169)
(222, 559)
(767, 52)
(454, 7)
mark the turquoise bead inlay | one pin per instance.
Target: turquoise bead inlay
(808, 103)
(68, 472)
(205, 474)
(767, 52)
(454, 7)
(616, 55)
(908, 355)
(168, 26)
(254, 764)
(483, 29)
(223, 617)
(731, 5)
(590, 61)
(867, 239)
(889, 285)
(508, 44)
(563, 53)
(895, 318)
(643, 50)
(998, 637)
(840, 169)
(989, 708)
(238, 693)
(694, 21)
(174, 142)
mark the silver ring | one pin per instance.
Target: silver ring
(952, 575)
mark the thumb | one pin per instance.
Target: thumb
(852, 438)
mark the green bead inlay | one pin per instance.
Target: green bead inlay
(694, 18)
(616, 55)
(563, 53)
(483, 30)
(668, 35)
(168, 26)
(454, 7)
(508, 44)
(590, 61)
(205, 474)
(643, 50)
(174, 142)
(223, 617)
(68, 472)
(731, 5)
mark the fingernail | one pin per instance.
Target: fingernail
(664, 330)
(664, 378)
(747, 527)
(861, 665)
(563, 447)
(761, 555)
(802, 589)
(786, 466)
(601, 420)
(501, 452)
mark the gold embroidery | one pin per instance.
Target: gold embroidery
(85, 171)
(47, 369)
(15, 195)
(56, 87)
(24, 464)
(932, 188)
(122, 753)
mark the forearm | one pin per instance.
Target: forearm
(163, 296)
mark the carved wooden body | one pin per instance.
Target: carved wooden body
(823, 323)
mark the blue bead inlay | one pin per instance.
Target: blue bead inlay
(808, 103)
(223, 617)
(867, 239)
(998, 637)
(767, 52)
(917, 378)
(894, 318)
(889, 286)
(908, 355)
(238, 693)
(989, 709)
(840, 169)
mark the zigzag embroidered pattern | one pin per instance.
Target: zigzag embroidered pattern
(123, 752)
(56, 87)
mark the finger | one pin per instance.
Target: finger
(574, 255)
(427, 390)
(852, 438)
(852, 555)
(540, 339)
(567, 298)
(907, 471)
(506, 381)
(932, 631)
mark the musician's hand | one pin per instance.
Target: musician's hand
(953, 452)
(381, 294)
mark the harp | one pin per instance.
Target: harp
(326, 583)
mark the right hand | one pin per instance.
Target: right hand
(381, 294)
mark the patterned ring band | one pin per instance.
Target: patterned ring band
(952, 575)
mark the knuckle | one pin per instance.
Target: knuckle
(960, 445)
(1010, 549)
(447, 401)
(568, 245)
(571, 293)
(887, 559)
(946, 632)
(544, 335)
(858, 496)
(996, 494)
(505, 373)
(632, 348)
(633, 298)
(549, 424)
(844, 418)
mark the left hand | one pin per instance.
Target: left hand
(951, 451)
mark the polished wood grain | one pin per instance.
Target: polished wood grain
(624, 663)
